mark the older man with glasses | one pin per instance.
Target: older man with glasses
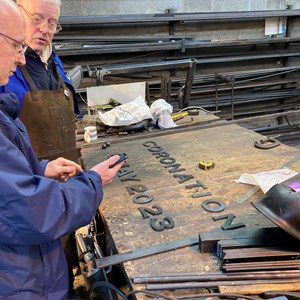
(36, 209)
(47, 98)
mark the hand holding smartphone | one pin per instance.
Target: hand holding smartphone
(123, 156)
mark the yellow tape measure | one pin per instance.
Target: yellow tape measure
(179, 114)
(206, 165)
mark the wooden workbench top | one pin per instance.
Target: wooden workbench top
(230, 147)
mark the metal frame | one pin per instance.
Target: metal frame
(189, 64)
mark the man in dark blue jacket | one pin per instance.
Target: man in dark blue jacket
(36, 210)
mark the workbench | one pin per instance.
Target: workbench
(162, 174)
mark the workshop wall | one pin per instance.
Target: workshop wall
(116, 7)
(260, 67)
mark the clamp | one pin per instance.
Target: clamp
(267, 143)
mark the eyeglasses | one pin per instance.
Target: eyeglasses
(20, 47)
(37, 20)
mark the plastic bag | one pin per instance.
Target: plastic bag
(127, 114)
(161, 111)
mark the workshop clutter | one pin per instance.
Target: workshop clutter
(136, 111)
(124, 104)
(137, 114)
(127, 113)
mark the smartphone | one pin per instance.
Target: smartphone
(123, 156)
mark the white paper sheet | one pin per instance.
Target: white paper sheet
(266, 180)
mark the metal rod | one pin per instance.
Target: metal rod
(213, 276)
(215, 284)
(144, 252)
(80, 242)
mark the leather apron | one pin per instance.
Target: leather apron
(49, 119)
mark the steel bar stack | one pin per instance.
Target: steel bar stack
(251, 263)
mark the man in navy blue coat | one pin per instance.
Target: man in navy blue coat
(36, 210)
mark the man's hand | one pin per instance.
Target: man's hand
(105, 172)
(62, 168)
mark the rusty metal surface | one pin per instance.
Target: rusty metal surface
(232, 150)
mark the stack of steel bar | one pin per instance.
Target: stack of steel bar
(80, 27)
(251, 93)
(258, 254)
(261, 97)
(250, 282)
(260, 259)
(71, 46)
(256, 246)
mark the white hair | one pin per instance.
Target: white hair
(58, 2)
